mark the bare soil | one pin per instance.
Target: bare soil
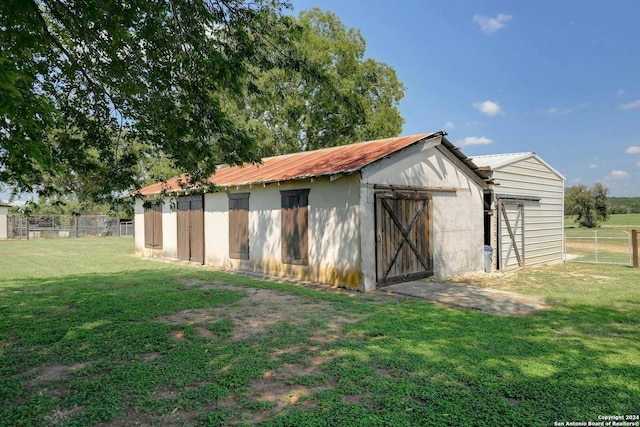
(258, 310)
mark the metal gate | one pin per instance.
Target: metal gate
(599, 247)
(510, 234)
(402, 237)
(191, 228)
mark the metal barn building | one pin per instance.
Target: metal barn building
(524, 211)
(356, 216)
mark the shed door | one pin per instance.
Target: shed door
(191, 228)
(510, 234)
(402, 237)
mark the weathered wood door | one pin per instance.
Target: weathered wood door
(403, 250)
(191, 228)
(510, 234)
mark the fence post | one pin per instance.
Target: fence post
(27, 218)
(634, 243)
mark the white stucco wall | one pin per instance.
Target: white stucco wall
(4, 212)
(138, 229)
(169, 232)
(457, 218)
(334, 245)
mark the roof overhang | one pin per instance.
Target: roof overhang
(333, 162)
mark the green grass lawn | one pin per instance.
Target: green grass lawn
(618, 221)
(91, 335)
(623, 220)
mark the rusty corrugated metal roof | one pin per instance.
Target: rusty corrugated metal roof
(309, 164)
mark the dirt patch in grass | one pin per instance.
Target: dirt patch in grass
(256, 312)
(56, 390)
(280, 389)
(148, 357)
(175, 418)
(291, 384)
(177, 335)
(204, 332)
(58, 415)
(13, 339)
(55, 372)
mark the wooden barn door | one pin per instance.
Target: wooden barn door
(402, 237)
(510, 234)
(191, 228)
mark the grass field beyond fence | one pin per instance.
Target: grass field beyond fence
(618, 221)
(91, 335)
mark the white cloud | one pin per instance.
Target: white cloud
(593, 166)
(634, 149)
(449, 125)
(489, 108)
(490, 25)
(475, 140)
(473, 123)
(630, 106)
(619, 174)
(620, 92)
(576, 180)
(638, 164)
(555, 111)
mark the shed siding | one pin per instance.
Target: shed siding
(4, 223)
(456, 217)
(169, 233)
(544, 220)
(333, 226)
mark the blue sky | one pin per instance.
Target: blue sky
(561, 78)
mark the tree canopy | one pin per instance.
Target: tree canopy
(589, 205)
(340, 96)
(90, 88)
(624, 205)
(98, 95)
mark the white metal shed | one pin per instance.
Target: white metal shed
(524, 212)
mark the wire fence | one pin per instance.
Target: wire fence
(65, 226)
(599, 247)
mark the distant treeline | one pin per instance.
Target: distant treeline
(624, 205)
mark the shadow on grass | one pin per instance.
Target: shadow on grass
(566, 364)
(396, 363)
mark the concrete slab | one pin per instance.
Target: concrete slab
(486, 300)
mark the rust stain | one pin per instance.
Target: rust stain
(339, 278)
